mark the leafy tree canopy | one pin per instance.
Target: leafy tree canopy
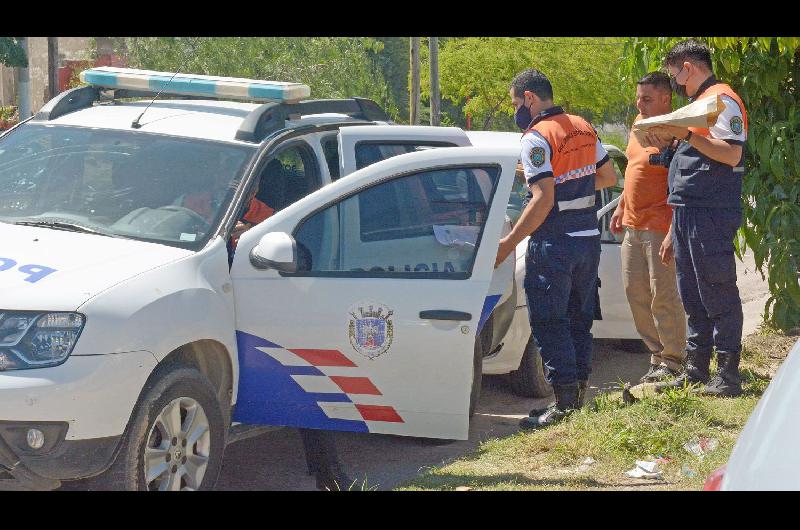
(334, 67)
(583, 71)
(11, 52)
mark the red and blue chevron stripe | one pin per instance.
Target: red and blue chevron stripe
(319, 389)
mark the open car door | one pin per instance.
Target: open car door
(357, 307)
(364, 145)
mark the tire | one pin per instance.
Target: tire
(189, 393)
(477, 375)
(528, 380)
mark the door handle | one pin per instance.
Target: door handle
(444, 314)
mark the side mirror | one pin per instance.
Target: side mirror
(275, 250)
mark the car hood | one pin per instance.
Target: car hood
(57, 270)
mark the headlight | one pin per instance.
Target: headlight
(37, 340)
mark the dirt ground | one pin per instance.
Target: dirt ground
(274, 461)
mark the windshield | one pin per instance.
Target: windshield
(121, 183)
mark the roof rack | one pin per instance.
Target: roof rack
(262, 121)
(271, 117)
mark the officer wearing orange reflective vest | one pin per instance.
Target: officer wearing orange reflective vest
(705, 187)
(564, 164)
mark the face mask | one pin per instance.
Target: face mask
(522, 117)
(678, 89)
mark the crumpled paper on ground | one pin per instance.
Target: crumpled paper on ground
(701, 446)
(702, 114)
(644, 469)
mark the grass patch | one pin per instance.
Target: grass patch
(615, 435)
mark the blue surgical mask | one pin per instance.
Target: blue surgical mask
(522, 117)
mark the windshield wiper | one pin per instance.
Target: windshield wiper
(62, 225)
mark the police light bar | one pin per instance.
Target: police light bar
(194, 85)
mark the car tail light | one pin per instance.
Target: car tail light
(714, 480)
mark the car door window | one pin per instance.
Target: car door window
(370, 152)
(288, 176)
(425, 225)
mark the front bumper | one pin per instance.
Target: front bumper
(23, 468)
(82, 406)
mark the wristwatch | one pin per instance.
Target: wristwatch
(688, 136)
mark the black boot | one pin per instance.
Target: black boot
(727, 382)
(582, 386)
(696, 372)
(566, 402)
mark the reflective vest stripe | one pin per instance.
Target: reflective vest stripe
(576, 204)
(576, 173)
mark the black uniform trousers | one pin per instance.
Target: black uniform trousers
(706, 271)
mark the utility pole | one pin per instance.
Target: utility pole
(433, 45)
(24, 106)
(52, 67)
(415, 91)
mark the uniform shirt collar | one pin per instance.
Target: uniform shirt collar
(552, 111)
(704, 86)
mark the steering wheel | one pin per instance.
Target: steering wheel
(203, 224)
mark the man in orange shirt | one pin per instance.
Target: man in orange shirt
(648, 264)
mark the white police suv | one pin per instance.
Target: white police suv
(134, 330)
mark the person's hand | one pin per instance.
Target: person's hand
(667, 251)
(661, 136)
(240, 229)
(616, 222)
(506, 247)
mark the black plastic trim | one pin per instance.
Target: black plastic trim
(271, 117)
(445, 314)
(69, 101)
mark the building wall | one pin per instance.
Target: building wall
(69, 49)
(8, 86)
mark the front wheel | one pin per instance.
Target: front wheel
(528, 380)
(176, 437)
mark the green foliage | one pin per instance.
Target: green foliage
(11, 52)
(582, 71)
(334, 67)
(764, 71)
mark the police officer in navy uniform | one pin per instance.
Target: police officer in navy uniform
(705, 188)
(564, 164)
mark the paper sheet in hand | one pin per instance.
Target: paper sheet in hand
(702, 113)
(456, 235)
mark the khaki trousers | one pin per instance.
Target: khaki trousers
(652, 291)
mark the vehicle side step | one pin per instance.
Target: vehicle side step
(240, 432)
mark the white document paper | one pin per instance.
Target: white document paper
(456, 235)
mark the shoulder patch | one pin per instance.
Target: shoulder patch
(737, 126)
(537, 156)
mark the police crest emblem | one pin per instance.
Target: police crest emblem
(737, 126)
(370, 329)
(537, 156)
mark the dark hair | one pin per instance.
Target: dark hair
(534, 81)
(660, 80)
(689, 50)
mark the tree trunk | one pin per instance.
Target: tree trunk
(415, 90)
(435, 98)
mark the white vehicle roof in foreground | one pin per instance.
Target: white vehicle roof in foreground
(210, 120)
(765, 456)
